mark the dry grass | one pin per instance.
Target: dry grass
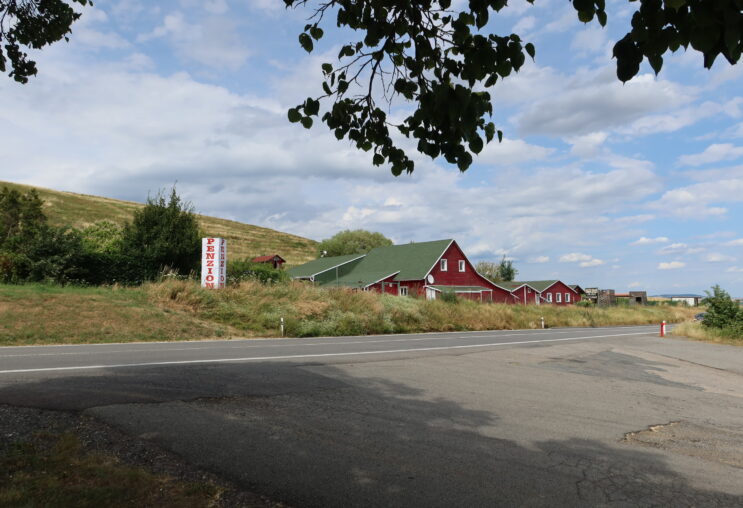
(40, 314)
(181, 310)
(696, 331)
(55, 472)
(244, 240)
(255, 309)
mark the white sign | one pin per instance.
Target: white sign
(213, 262)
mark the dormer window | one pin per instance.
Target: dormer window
(461, 265)
(443, 265)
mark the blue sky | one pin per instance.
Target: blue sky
(635, 186)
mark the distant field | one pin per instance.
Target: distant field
(244, 240)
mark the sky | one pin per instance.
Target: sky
(635, 186)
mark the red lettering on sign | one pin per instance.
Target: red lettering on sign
(210, 240)
(209, 285)
(210, 278)
(210, 256)
(210, 262)
(210, 248)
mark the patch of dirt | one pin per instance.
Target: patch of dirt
(28, 425)
(715, 444)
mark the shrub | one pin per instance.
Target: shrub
(243, 270)
(163, 234)
(722, 311)
(449, 297)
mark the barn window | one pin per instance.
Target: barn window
(461, 265)
(403, 291)
(549, 297)
(558, 297)
(567, 297)
(443, 265)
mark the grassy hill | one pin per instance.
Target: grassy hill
(243, 240)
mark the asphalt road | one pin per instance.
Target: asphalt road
(590, 417)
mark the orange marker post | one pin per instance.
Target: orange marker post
(663, 329)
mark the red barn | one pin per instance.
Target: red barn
(540, 292)
(275, 260)
(423, 269)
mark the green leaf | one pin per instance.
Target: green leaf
(311, 107)
(306, 42)
(500, 136)
(316, 33)
(327, 68)
(306, 122)
(476, 144)
(378, 159)
(294, 115)
(656, 62)
(529, 47)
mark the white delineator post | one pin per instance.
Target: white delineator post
(213, 262)
(663, 329)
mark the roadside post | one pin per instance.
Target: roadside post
(542, 322)
(282, 327)
(663, 329)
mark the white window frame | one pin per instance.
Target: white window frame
(549, 297)
(461, 265)
(567, 297)
(402, 291)
(558, 297)
(443, 266)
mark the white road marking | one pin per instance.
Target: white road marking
(338, 342)
(320, 355)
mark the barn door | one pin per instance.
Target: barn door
(430, 294)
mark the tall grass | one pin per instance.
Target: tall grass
(257, 309)
(698, 332)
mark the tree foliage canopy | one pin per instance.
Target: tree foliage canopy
(164, 234)
(722, 311)
(32, 24)
(443, 60)
(439, 59)
(358, 241)
(497, 272)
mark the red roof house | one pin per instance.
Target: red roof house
(424, 269)
(276, 260)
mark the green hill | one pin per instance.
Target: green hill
(243, 240)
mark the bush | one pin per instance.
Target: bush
(449, 297)
(722, 311)
(243, 270)
(163, 234)
(352, 242)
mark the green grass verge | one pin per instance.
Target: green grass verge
(178, 310)
(47, 314)
(698, 332)
(56, 472)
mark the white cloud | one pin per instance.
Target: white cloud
(672, 265)
(632, 285)
(589, 40)
(635, 219)
(716, 257)
(713, 153)
(735, 269)
(512, 151)
(643, 240)
(212, 41)
(592, 262)
(539, 259)
(524, 24)
(574, 257)
(583, 260)
(698, 200)
(735, 243)
(597, 101)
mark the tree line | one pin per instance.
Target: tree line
(163, 235)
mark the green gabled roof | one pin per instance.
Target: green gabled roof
(463, 289)
(321, 265)
(539, 285)
(359, 279)
(413, 260)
